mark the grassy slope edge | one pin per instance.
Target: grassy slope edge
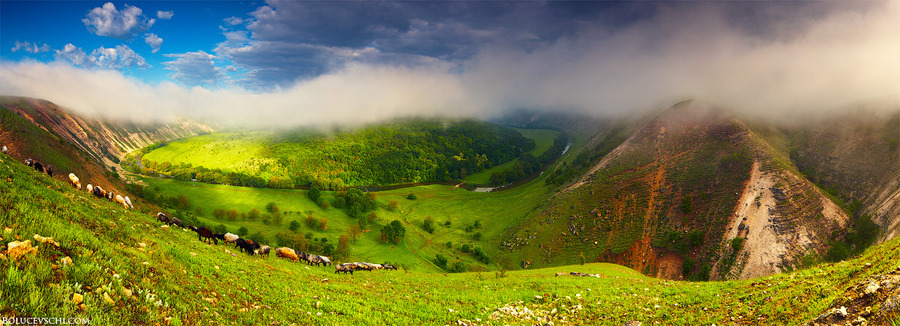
(174, 278)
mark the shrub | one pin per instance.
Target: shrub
(449, 244)
(312, 222)
(294, 225)
(476, 236)
(272, 207)
(428, 225)
(737, 243)
(253, 214)
(221, 229)
(243, 231)
(686, 205)
(392, 205)
(441, 261)
(231, 214)
(686, 267)
(838, 252)
(323, 223)
(458, 267)
(447, 223)
(465, 248)
(219, 213)
(411, 197)
(696, 238)
(481, 255)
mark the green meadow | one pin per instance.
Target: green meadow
(128, 270)
(495, 212)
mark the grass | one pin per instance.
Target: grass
(229, 151)
(543, 139)
(175, 278)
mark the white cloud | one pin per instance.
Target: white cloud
(838, 59)
(117, 58)
(164, 14)
(75, 55)
(155, 42)
(29, 47)
(234, 21)
(194, 68)
(105, 58)
(124, 24)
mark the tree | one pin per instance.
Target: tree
(314, 194)
(253, 214)
(323, 223)
(392, 233)
(231, 214)
(221, 229)
(243, 231)
(353, 231)
(343, 247)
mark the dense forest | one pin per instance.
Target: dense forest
(405, 151)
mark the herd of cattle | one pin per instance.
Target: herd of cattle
(206, 235)
(252, 248)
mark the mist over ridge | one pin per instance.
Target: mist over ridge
(782, 65)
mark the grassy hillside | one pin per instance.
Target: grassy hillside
(161, 275)
(408, 151)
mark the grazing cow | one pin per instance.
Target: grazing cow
(121, 201)
(303, 256)
(324, 260)
(219, 236)
(110, 195)
(175, 221)
(5, 150)
(264, 250)
(29, 162)
(49, 170)
(204, 234)
(128, 202)
(38, 167)
(162, 218)
(90, 188)
(389, 266)
(345, 268)
(286, 252)
(229, 237)
(75, 182)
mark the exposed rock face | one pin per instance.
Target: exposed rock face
(782, 217)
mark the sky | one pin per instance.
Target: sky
(288, 63)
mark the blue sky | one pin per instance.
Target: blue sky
(310, 62)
